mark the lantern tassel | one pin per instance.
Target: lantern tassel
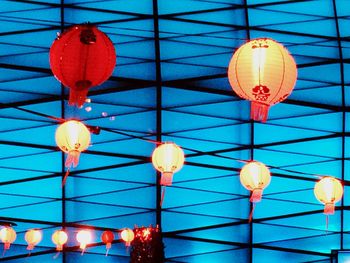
(167, 178)
(108, 247)
(56, 255)
(259, 111)
(78, 94)
(256, 195)
(326, 224)
(329, 209)
(72, 159)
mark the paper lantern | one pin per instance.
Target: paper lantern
(33, 237)
(80, 58)
(263, 72)
(72, 137)
(128, 236)
(59, 238)
(84, 237)
(8, 236)
(328, 191)
(107, 237)
(168, 158)
(255, 176)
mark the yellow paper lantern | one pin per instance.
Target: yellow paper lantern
(33, 237)
(168, 158)
(262, 71)
(255, 177)
(59, 238)
(8, 236)
(72, 137)
(328, 191)
(128, 236)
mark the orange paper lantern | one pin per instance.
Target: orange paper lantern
(33, 237)
(72, 137)
(263, 72)
(59, 238)
(328, 191)
(255, 176)
(8, 236)
(128, 236)
(168, 158)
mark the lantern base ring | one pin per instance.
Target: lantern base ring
(256, 195)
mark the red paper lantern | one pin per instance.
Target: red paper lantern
(263, 72)
(80, 58)
(107, 237)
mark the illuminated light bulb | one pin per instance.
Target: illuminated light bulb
(128, 236)
(84, 237)
(8, 236)
(33, 237)
(59, 238)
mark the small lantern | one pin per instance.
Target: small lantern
(128, 236)
(107, 237)
(255, 176)
(72, 137)
(80, 58)
(8, 236)
(84, 237)
(328, 191)
(168, 158)
(59, 238)
(33, 237)
(263, 72)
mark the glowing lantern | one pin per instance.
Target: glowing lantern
(59, 238)
(72, 137)
(255, 176)
(328, 191)
(84, 237)
(263, 72)
(80, 58)
(128, 236)
(8, 236)
(168, 158)
(33, 237)
(107, 237)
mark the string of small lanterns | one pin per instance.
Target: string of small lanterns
(60, 237)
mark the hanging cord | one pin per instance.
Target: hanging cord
(162, 197)
(65, 178)
(251, 213)
(327, 219)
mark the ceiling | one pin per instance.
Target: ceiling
(170, 84)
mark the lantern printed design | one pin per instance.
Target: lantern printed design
(80, 58)
(128, 236)
(107, 237)
(33, 237)
(328, 191)
(72, 137)
(84, 237)
(168, 158)
(59, 238)
(263, 72)
(8, 236)
(255, 176)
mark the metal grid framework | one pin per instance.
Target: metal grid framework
(170, 84)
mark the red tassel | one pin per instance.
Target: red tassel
(72, 159)
(329, 209)
(78, 94)
(167, 178)
(259, 111)
(256, 195)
